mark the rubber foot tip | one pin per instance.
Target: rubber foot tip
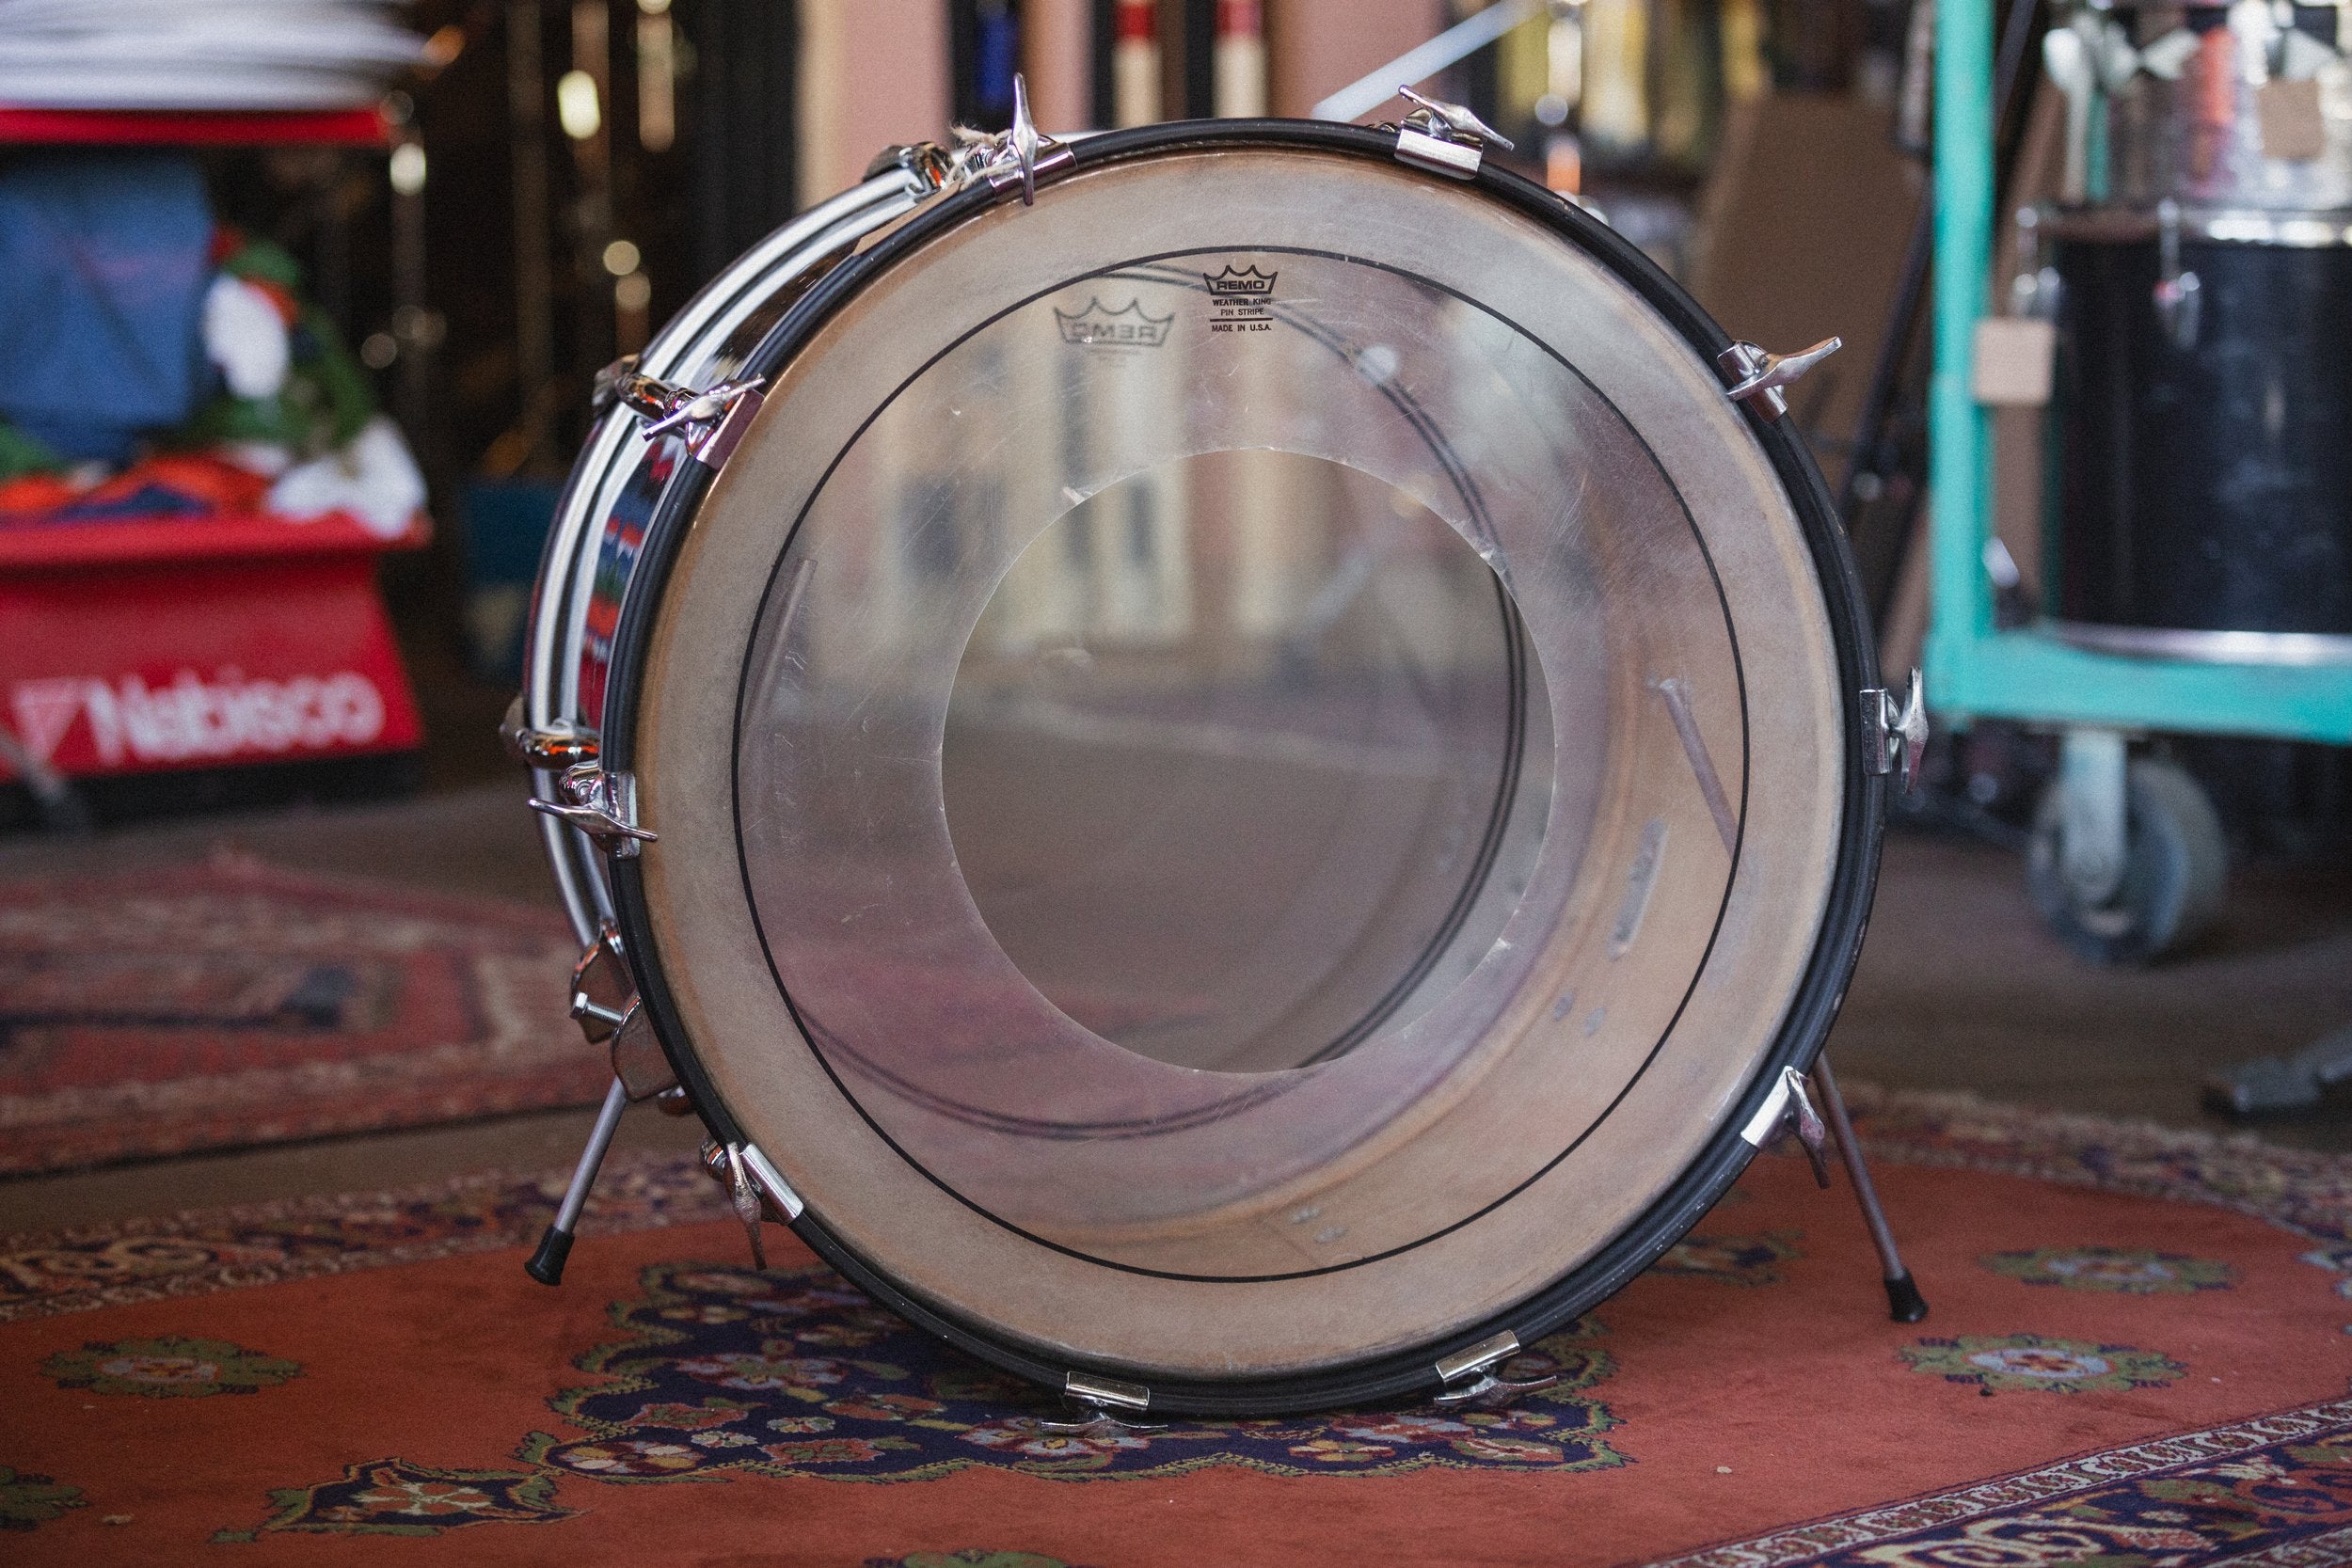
(1903, 1300)
(547, 1264)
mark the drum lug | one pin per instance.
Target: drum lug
(710, 421)
(638, 1059)
(1790, 1105)
(722, 1160)
(561, 744)
(746, 1197)
(602, 805)
(1758, 376)
(752, 1188)
(1892, 732)
(1470, 1378)
(604, 999)
(604, 993)
(1444, 138)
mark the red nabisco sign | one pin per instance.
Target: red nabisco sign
(193, 719)
(261, 651)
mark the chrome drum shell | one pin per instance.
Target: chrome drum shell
(592, 549)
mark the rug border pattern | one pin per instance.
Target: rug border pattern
(1882, 1522)
(639, 1192)
(2312, 1197)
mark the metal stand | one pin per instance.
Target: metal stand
(1903, 1300)
(547, 1264)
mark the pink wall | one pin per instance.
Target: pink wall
(1315, 47)
(875, 72)
(1057, 57)
(872, 73)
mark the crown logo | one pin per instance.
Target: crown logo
(1247, 284)
(1128, 324)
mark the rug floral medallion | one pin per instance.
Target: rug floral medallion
(795, 1372)
(708, 1371)
(28, 1499)
(2029, 1362)
(169, 1368)
(1732, 1259)
(393, 1497)
(2133, 1271)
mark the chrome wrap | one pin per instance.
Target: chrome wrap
(592, 549)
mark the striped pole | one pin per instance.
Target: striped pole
(1240, 59)
(1136, 64)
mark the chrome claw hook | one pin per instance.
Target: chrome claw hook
(600, 804)
(1457, 119)
(746, 1201)
(1910, 725)
(1491, 1392)
(1011, 157)
(1092, 1421)
(1789, 1107)
(1024, 139)
(1761, 375)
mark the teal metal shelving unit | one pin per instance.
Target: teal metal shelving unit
(2127, 857)
(1974, 671)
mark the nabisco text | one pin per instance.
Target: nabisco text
(190, 718)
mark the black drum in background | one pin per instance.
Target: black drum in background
(2203, 474)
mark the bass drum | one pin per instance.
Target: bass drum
(1256, 773)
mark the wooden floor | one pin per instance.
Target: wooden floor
(1959, 988)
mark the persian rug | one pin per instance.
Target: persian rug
(230, 1003)
(2137, 1358)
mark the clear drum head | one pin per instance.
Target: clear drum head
(1217, 818)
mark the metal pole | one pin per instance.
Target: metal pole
(1904, 1299)
(1959, 457)
(547, 1264)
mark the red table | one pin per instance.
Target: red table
(148, 644)
(155, 643)
(194, 128)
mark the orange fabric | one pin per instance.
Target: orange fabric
(213, 482)
(35, 493)
(202, 477)
(1740, 1406)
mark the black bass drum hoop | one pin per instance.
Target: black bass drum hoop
(1819, 990)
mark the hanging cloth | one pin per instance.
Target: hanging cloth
(104, 259)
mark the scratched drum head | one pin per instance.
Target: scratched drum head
(1252, 766)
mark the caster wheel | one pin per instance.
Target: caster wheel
(2176, 862)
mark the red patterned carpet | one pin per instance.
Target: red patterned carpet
(2138, 1356)
(234, 1003)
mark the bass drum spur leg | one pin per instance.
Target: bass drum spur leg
(1903, 1300)
(547, 1264)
